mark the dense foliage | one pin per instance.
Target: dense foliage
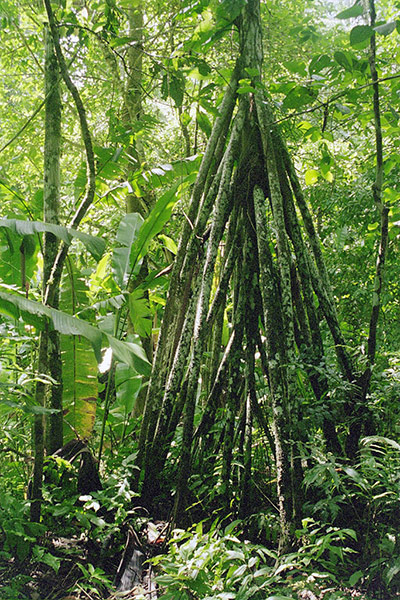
(199, 299)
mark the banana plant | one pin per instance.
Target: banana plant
(79, 365)
(95, 245)
(35, 313)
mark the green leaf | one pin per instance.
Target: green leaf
(95, 245)
(173, 85)
(295, 66)
(140, 313)
(280, 598)
(29, 408)
(386, 28)
(122, 40)
(327, 175)
(229, 10)
(245, 89)
(252, 72)
(234, 554)
(344, 59)
(177, 90)
(167, 173)
(311, 177)
(360, 35)
(204, 123)
(345, 110)
(168, 243)
(127, 386)
(154, 223)
(45, 557)
(79, 365)
(318, 63)
(129, 353)
(355, 578)
(380, 440)
(299, 96)
(16, 252)
(392, 571)
(354, 11)
(38, 410)
(23, 548)
(127, 234)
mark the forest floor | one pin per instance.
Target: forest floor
(75, 580)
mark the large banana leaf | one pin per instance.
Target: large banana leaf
(140, 313)
(127, 385)
(95, 245)
(127, 233)
(18, 258)
(80, 388)
(79, 365)
(35, 313)
(154, 223)
(134, 235)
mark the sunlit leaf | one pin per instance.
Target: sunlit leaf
(168, 243)
(360, 35)
(354, 11)
(386, 28)
(167, 173)
(327, 175)
(280, 598)
(311, 177)
(79, 365)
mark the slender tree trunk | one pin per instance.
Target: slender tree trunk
(132, 114)
(361, 414)
(276, 361)
(38, 435)
(51, 203)
(52, 282)
(246, 495)
(180, 274)
(49, 361)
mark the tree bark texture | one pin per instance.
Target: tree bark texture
(51, 202)
(49, 357)
(52, 277)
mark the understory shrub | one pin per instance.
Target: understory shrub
(215, 564)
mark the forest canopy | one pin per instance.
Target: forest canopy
(199, 299)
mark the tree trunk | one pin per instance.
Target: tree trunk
(49, 361)
(51, 203)
(51, 283)
(284, 271)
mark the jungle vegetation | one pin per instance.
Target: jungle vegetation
(199, 299)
